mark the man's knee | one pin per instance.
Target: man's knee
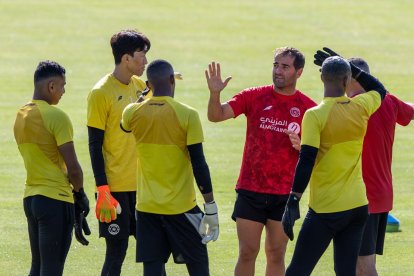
(276, 254)
(366, 266)
(248, 252)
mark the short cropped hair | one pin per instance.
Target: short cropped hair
(46, 69)
(159, 70)
(299, 61)
(360, 63)
(335, 69)
(128, 42)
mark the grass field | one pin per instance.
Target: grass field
(241, 35)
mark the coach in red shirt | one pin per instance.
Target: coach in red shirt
(269, 159)
(376, 169)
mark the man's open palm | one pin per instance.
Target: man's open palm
(213, 76)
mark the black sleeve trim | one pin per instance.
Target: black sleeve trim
(200, 168)
(304, 168)
(127, 131)
(96, 137)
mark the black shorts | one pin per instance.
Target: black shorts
(160, 235)
(374, 235)
(259, 207)
(124, 225)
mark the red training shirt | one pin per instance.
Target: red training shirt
(269, 160)
(377, 151)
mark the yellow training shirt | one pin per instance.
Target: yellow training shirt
(163, 128)
(337, 127)
(106, 102)
(39, 130)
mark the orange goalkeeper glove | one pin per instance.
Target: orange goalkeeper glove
(107, 207)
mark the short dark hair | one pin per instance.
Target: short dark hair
(159, 70)
(335, 69)
(128, 42)
(360, 63)
(299, 61)
(46, 69)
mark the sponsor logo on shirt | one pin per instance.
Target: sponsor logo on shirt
(295, 112)
(270, 123)
(295, 127)
(268, 108)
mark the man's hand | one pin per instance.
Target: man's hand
(209, 226)
(294, 139)
(81, 211)
(320, 55)
(81, 201)
(81, 226)
(290, 215)
(107, 207)
(213, 76)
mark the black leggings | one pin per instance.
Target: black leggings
(157, 268)
(116, 250)
(345, 228)
(50, 225)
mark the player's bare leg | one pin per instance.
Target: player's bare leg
(366, 266)
(249, 233)
(275, 246)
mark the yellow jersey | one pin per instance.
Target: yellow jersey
(337, 127)
(163, 128)
(106, 102)
(39, 130)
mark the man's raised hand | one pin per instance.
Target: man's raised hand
(213, 77)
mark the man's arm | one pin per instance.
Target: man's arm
(303, 172)
(201, 171)
(75, 173)
(209, 225)
(96, 137)
(217, 111)
(107, 207)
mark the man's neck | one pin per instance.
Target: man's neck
(353, 93)
(287, 91)
(122, 75)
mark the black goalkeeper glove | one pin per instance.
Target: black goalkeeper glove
(81, 211)
(290, 215)
(323, 54)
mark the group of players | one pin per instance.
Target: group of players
(146, 149)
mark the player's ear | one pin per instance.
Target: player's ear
(148, 85)
(299, 72)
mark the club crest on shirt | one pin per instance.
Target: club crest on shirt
(295, 112)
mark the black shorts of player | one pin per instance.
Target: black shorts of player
(160, 235)
(259, 207)
(374, 235)
(50, 225)
(124, 225)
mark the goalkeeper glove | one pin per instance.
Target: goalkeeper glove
(209, 226)
(81, 226)
(290, 215)
(107, 207)
(323, 54)
(81, 211)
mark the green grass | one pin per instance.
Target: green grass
(242, 36)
